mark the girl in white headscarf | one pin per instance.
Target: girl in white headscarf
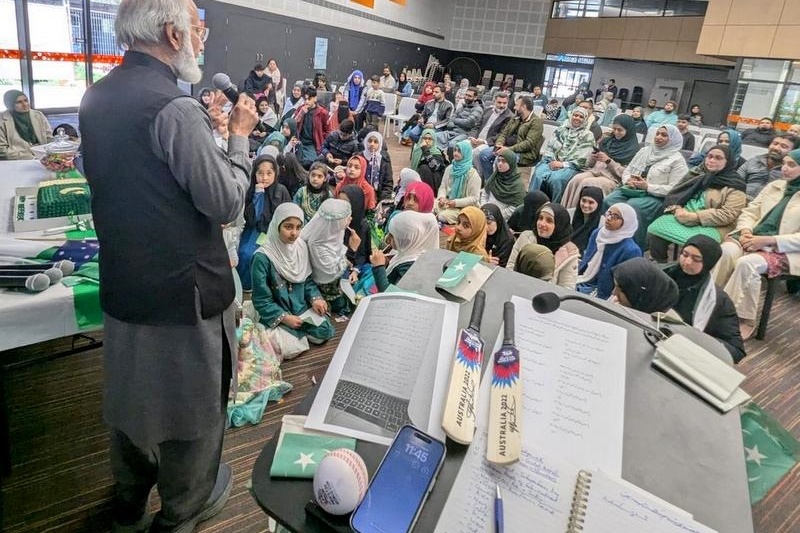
(379, 166)
(324, 235)
(282, 285)
(653, 172)
(410, 235)
(461, 92)
(609, 245)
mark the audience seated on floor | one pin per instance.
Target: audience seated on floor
(587, 216)
(379, 165)
(340, 145)
(609, 245)
(410, 234)
(499, 239)
(606, 164)
(524, 217)
(316, 191)
(551, 229)
(707, 204)
(651, 174)
(504, 188)
(766, 241)
(700, 302)
(641, 285)
(564, 155)
(428, 160)
(461, 185)
(312, 128)
(470, 233)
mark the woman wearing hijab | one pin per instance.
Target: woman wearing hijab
(356, 255)
(407, 177)
(700, 302)
(609, 245)
(553, 231)
(427, 159)
(524, 217)
(536, 261)
(275, 139)
(499, 239)
(294, 101)
(379, 165)
(640, 284)
(766, 241)
(340, 111)
(461, 185)
(607, 164)
(708, 204)
(353, 88)
(587, 216)
(412, 129)
(289, 132)
(419, 198)
(291, 173)
(727, 137)
(316, 190)
(404, 88)
(21, 127)
(564, 155)
(410, 235)
(324, 235)
(356, 175)
(261, 201)
(461, 92)
(653, 172)
(504, 188)
(639, 124)
(282, 285)
(205, 97)
(470, 233)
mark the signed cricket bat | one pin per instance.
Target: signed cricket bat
(505, 404)
(458, 421)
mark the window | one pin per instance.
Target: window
(628, 8)
(10, 74)
(767, 88)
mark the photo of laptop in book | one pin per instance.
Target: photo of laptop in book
(376, 410)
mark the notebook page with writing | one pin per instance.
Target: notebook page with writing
(613, 507)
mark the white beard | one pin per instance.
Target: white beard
(185, 65)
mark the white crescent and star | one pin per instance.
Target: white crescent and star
(754, 455)
(305, 460)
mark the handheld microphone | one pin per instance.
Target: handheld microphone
(53, 274)
(222, 82)
(65, 266)
(35, 282)
(547, 302)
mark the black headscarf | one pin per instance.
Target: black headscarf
(622, 150)
(343, 111)
(359, 224)
(22, 121)
(562, 233)
(689, 287)
(524, 217)
(271, 197)
(646, 286)
(691, 186)
(291, 173)
(583, 226)
(501, 242)
(204, 91)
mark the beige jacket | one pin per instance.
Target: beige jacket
(723, 207)
(788, 238)
(12, 146)
(566, 260)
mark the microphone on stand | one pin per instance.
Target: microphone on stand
(222, 82)
(547, 302)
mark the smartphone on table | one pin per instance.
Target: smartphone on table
(401, 484)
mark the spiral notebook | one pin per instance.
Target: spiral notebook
(604, 504)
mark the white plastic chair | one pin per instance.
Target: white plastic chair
(651, 134)
(404, 113)
(749, 151)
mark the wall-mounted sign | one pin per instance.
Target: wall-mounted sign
(320, 53)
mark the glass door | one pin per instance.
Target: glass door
(562, 81)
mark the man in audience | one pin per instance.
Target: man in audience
(665, 116)
(437, 111)
(761, 135)
(764, 168)
(539, 99)
(463, 123)
(688, 136)
(492, 123)
(340, 145)
(523, 135)
(612, 87)
(649, 108)
(387, 82)
(794, 132)
(312, 128)
(166, 288)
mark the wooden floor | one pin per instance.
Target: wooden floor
(61, 478)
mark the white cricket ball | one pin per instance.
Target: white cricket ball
(340, 481)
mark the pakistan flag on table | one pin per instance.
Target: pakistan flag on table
(770, 451)
(298, 455)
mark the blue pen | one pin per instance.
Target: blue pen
(498, 511)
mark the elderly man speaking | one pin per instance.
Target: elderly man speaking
(161, 190)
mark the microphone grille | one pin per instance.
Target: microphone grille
(37, 282)
(221, 81)
(546, 302)
(54, 275)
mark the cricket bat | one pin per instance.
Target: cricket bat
(461, 405)
(505, 403)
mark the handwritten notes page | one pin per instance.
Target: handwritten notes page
(573, 376)
(615, 507)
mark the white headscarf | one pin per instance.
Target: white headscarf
(407, 177)
(290, 260)
(324, 235)
(413, 234)
(651, 153)
(605, 236)
(370, 155)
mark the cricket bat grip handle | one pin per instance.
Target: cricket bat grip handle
(477, 311)
(508, 323)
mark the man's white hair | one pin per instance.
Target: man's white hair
(142, 21)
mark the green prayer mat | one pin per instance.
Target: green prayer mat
(770, 451)
(299, 454)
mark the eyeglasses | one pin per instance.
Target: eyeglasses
(612, 216)
(692, 258)
(201, 32)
